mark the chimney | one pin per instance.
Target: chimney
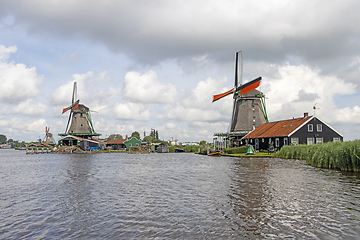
(306, 115)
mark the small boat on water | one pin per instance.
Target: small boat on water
(179, 150)
(215, 154)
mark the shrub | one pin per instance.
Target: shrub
(242, 149)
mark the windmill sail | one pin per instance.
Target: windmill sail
(247, 87)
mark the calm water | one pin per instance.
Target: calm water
(167, 196)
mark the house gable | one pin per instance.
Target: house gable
(318, 130)
(132, 143)
(306, 130)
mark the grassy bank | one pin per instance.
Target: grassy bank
(340, 155)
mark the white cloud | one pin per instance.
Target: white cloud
(146, 89)
(106, 128)
(25, 108)
(198, 105)
(131, 111)
(23, 126)
(89, 91)
(18, 83)
(297, 89)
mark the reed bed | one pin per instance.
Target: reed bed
(333, 155)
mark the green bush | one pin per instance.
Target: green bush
(193, 148)
(242, 149)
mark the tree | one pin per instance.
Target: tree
(156, 135)
(114, 136)
(136, 135)
(203, 142)
(148, 139)
(3, 139)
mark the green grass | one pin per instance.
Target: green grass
(340, 155)
(258, 154)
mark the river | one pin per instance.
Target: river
(173, 196)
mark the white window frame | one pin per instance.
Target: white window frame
(295, 140)
(319, 140)
(319, 127)
(310, 141)
(336, 139)
(277, 142)
(285, 141)
(310, 128)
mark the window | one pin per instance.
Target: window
(319, 140)
(137, 144)
(130, 145)
(269, 140)
(310, 141)
(277, 142)
(243, 102)
(285, 141)
(253, 119)
(253, 126)
(294, 141)
(262, 140)
(319, 127)
(336, 139)
(310, 128)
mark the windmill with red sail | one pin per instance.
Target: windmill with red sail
(79, 122)
(249, 109)
(49, 139)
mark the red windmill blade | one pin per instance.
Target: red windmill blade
(72, 106)
(247, 87)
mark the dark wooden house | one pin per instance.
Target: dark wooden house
(306, 130)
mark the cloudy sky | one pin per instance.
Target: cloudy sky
(156, 64)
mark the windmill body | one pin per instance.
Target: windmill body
(49, 139)
(79, 121)
(249, 110)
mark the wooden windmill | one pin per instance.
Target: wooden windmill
(249, 109)
(49, 139)
(79, 119)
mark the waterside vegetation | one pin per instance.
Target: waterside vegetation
(344, 156)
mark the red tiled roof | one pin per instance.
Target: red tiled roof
(277, 129)
(115, 141)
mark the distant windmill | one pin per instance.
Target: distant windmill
(48, 137)
(249, 109)
(79, 116)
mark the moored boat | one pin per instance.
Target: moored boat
(215, 154)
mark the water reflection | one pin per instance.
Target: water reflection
(77, 194)
(248, 196)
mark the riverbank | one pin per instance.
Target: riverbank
(344, 156)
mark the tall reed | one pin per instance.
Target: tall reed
(334, 155)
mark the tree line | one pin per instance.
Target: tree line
(152, 138)
(4, 140)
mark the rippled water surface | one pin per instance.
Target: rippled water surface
(167, 196)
